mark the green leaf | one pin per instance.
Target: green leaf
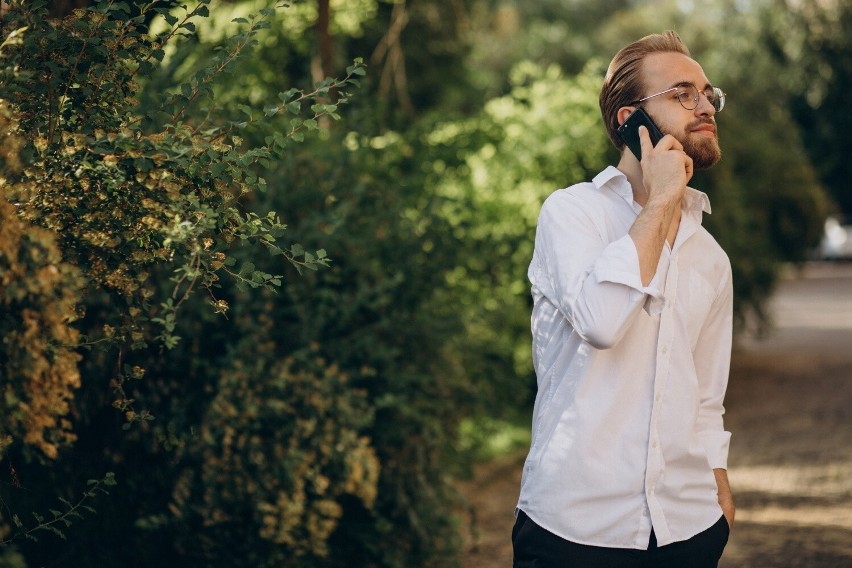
(287, 95)
(56, 531)
(357, 68)
(143, 164)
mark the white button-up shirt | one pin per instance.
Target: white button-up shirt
(627, 423)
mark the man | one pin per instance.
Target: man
(632, 324)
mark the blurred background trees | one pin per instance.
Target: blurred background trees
(169, 184)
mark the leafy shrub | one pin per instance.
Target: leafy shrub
(278, 449)
(38, 298)
(121, 215)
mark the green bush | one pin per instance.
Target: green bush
(278, 450)
(121, 216)
(38, 298)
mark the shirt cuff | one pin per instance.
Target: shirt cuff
(716, 446)
(619, 264)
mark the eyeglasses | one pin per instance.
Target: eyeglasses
(688, 96)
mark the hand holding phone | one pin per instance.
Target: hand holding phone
(629, 131)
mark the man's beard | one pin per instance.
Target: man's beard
(705, 152)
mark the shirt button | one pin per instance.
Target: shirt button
(665, 350)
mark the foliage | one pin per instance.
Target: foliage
(548, 32)
(38, 296)
(380, 315)
(39, 363)
(132, 195)
(177, 183)
(121, 214)
(278, 449)
(810, 39)
(62, 517)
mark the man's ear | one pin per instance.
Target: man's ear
(624, 112)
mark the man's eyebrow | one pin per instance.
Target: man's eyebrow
(688, 84)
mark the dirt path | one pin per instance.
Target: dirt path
(789, 406)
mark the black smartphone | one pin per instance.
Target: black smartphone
(629, 131)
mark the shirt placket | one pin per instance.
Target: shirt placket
(656, 464)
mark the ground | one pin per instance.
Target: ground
(789, 407)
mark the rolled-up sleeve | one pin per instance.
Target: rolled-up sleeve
(594, 281)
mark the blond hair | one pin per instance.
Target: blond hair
(623, 82)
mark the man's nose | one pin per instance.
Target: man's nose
(705, 107)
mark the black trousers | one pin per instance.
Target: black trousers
(535, 547)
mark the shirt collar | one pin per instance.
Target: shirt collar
(605, 178)
(694, 200)
(697, 200)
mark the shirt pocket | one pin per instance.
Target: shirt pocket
(699, 299)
